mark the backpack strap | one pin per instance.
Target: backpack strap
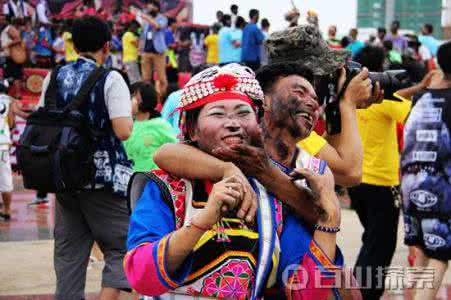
(85, 89)
(52, 90)
(136, 186)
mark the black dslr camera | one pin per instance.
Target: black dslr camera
(327, 90)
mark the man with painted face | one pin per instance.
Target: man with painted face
(305, 46)
(342, 152)
(290, 112)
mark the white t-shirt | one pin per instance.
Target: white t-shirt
(5, 134)
(5, 39)
(16, 9)
(116, 93)
(58, 44)
(41, 12)
(425, 54)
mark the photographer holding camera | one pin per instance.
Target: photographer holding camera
(377, 199)
(341, 148)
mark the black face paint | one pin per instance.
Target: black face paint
(283, 115)
(266, 133)
(293, 127)
(282, 149)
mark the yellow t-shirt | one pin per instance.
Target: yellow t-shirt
(69, 51)
(211, 41)
(130, 47)
(377, 127)
(313, 143)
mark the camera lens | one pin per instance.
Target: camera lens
(390, 81)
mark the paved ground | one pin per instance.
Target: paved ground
(26, 247)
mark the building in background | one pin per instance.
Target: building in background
(411, 13)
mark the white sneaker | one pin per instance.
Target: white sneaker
(37, 201)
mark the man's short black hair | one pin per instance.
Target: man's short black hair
(90, 34)
(226, 18)
(382, 29)
(253, 13)
(268, 75)
(371, 57)
(233, 7)
(429, 28)
(265, 23)
(443, 55)
(240, 22)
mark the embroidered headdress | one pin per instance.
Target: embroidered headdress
(231, 81)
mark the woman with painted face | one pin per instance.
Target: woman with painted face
(230, 239)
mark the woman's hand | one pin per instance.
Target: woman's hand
(248, 207)
(226, 195)
(323, 189)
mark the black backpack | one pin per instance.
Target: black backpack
(55, 151)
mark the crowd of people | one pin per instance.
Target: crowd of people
(144, 40)
(412, 52)
(230, 180)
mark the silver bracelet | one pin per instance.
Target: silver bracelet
(327, 229)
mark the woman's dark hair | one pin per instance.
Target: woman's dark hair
(90, 34)
(149, 98)
(371, 57)
(191, 117)
(443, 57)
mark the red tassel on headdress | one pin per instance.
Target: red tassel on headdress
(226, 81)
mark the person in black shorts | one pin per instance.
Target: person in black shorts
(425, 170)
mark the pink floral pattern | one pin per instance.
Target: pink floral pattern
(177, 189)
(279, 216)
(233, 280)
